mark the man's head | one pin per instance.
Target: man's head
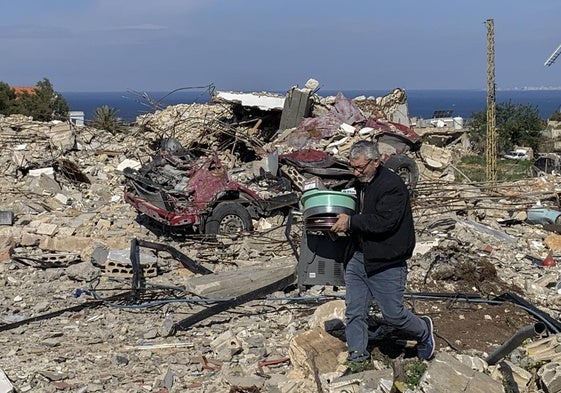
(364, 158)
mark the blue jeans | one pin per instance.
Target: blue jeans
(386, 288)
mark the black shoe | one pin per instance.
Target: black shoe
(425, 350)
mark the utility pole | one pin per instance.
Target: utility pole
(491, 148)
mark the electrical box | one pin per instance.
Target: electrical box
(322, 260)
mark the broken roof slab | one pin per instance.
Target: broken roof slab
(262, 101)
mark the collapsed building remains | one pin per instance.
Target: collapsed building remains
(103, 292)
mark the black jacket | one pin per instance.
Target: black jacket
(383, 226)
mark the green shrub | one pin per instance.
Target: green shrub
(474, 168)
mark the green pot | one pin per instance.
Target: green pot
(316, 202)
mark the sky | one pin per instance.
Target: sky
(267, 45)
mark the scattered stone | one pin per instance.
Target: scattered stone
(83, 271)
(151, 334)
(69, 215)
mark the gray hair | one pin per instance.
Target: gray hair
(365, 148)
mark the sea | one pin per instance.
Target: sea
(421, 103)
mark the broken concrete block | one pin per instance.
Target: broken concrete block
(103, 224)
(6, 218)
(99, 254)
(128, 163)
(520, 216)
(297, 105)
(421, 248)
(550, 375)
(367, 381)
(6, 253)
(73, 243)
(445, 371)
(253, 344)
(520, 377)
(66, 232)
(9, 236)
(5, 384)
(118, 263)
(546, 349)
(226, 345)
(83, 271)
(473, 362)
(61, 136)
(553, 243)
(548, 279)
(315, 352)
(49, 171)
(29, 239)
(44, 184)
(435, 157)
(167, 328)
(244, 383)
(63, 199)
(311, 84)
(328, 314)
(47, 229)
(151, 334)
(284, 384)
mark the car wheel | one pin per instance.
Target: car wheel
(228, 218)
(406, 168)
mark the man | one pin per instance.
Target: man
(384, 236)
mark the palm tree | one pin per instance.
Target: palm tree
(106, 118)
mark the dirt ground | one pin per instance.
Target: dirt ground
(466, 324)
(478, 328)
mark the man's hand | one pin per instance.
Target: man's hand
(342, 224)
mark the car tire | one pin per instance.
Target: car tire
(228, 218)
(406, 168)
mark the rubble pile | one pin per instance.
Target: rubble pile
(193, 122)
(96, 297)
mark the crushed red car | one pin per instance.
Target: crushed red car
(179, 190)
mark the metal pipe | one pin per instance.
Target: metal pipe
(514, 342)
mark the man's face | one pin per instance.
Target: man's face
(364, 168)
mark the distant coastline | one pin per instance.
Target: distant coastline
(421, 103)
(530, 88)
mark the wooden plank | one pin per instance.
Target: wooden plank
(235, 283)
